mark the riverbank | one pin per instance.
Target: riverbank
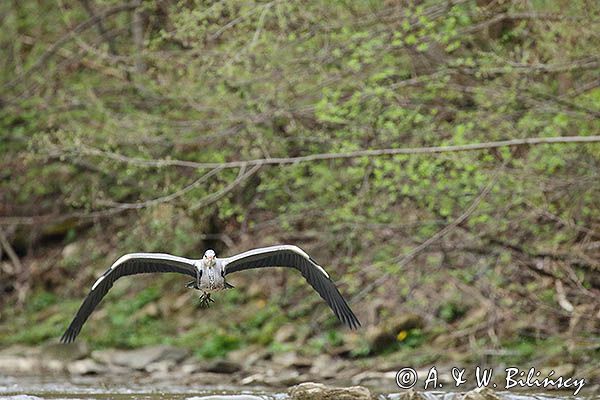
(35, 388)
(250, 369)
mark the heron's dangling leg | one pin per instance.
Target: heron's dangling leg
(192, 285)
(205, 300)
(228, 285)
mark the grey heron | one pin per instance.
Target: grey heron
(209, 276)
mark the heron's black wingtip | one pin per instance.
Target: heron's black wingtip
(354, 324)
(68, 337)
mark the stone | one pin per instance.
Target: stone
(285, 334)
(247, 356)
(65, 352)
(29, 364)
(139, 359)
(374, 378)
(291, 359)
(480, 394)
(190, 368)
(227, 397)
(162, 366)
(103, 356)
(284, 378)
(410, 394)
(20, 350)
(318, 391)
(325, 366)
(70, 250)
(25, 397)
(86, 366)
(222, 366)
(254, 379)
(565, 370)
(18, 364)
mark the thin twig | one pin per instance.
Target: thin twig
(211, 198)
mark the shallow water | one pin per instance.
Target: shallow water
(33, 388)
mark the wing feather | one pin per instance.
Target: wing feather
(294, 257)
(129, 264)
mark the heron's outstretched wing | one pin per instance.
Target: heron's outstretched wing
(295, 257)
(129, 264)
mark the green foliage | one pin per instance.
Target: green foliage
(217, 345)
(41, 300)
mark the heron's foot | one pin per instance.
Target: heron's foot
(192, 285)
(205, 300)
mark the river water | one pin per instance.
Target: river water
(32, 388)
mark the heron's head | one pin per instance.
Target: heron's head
(209, 256)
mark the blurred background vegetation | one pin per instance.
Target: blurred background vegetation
(110, 110)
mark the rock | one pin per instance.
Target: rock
(25, 397)
(65, 352)
(247, 356)
(70, 250)
(284, 378)
(103, 356)
(318, 391)
(202, 379)
(276, 378)
(227, 397)
(565, 370)
(190, 368)
(15, 363)
(410, 394)
(162, 366)
(222, 366)
(28, 364)
(374, 378)
(291, 359)
(86, 366)
(140, 358)
(325, 366)
(480, 394)
(20, 350)
(287, 333)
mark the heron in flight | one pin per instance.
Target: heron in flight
(209, 274)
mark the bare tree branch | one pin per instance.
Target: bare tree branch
(90, 151)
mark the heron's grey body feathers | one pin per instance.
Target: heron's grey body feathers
(212, 276)
(209, 275)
